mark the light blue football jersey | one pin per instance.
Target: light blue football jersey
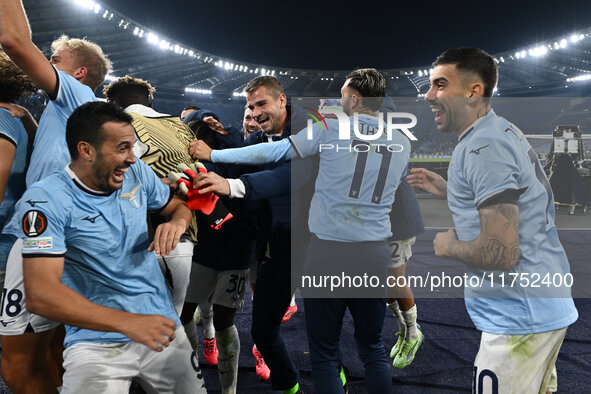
(12, 130)
(356, 181)
(104, 240)
(50, 151)
(493, 157)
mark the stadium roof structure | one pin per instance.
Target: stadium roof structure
(557, 67)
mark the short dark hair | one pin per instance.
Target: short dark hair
(193, 107)
(369, 83)
(271, 83)
(86, 123)
(128, 90)
(473, 60)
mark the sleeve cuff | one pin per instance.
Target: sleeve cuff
(237, 188)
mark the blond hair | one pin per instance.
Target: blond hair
(86, 54)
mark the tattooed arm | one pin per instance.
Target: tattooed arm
(497, 246)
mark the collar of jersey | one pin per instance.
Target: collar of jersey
(473, 125)
(82, 186)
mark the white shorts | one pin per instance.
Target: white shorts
(176, 268)
(400, 252)
(14, 317)
(517, 363)
(109, 368)
(224, 288)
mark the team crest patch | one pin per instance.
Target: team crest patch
(34, 223)
(133, 199)
(37, 243)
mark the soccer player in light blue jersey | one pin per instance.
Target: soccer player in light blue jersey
(503, 210)
(354, 191)
(76, 68)
(88, 262)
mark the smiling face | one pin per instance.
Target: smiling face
(448, 99)
(268, 111)
(249, 125)
(113, 157)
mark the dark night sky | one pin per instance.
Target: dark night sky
(342, 34)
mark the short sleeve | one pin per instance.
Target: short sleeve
(491, 168)
(40, 221)
(10, 128)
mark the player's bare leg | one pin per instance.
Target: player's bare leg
(28, 365)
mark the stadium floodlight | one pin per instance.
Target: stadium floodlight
(262, 71)
(246, 69)
(563, 43)
(136, 31)
(579, 78)
(420, 73)
(105, 14)
(88, 4)
(153, 38)
(523, 54)
(574, 38)
(164, 44)
(110, 78)
(197, 90)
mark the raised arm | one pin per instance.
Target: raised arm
(15, 38)
(47, 296)
(497, 246)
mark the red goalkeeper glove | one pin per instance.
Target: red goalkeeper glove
(208, 203)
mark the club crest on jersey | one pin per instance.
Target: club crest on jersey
(133, 199)
(34, 223)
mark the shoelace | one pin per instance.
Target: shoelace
(259, 358)
(209, 346)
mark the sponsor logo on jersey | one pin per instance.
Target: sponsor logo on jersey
(34, 223)
(38, 243)
(91, 220)
(6, 323)
(133, 199)
(477, 150)
(32, 203)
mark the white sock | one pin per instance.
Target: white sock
(292, 303)
(410, 319)
(191, 331)
(398, 315)
(207, 320)
(229, 349)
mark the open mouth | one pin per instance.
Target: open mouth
(263, 121)
(439, 113)
(119, 174)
